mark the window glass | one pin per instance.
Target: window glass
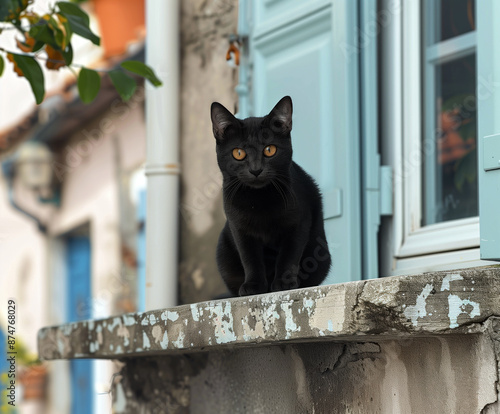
(452, 18)
(455, 161)
(450, 187)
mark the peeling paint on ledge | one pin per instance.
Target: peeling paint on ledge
(222, 322)
(457, 307)
(419, 310)
(450, 278)
(329, 313)
(432, 303)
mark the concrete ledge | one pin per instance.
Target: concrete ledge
(437, 303)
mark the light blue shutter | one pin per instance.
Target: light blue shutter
(308, 50)
(376, 195)
(488, 98)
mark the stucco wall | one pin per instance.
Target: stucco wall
(98, 158)
(427, 343)
(420, 375)
(93, 164)
(206, 77)
(23, 262)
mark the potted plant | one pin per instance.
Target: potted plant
(31, 375)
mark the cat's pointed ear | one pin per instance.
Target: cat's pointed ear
(281, 115)
(221, 119)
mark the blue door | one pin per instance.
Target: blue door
(4, 369)
(304, 49)
(79, 308)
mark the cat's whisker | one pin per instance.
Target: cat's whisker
(285, 193)
(281, 192)
(227, 188)
(232, 188)
(287, 177)
(290, 194)
(278, 190)
(287, 189)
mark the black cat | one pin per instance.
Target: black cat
(274, 238)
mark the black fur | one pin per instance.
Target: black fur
(274, 238)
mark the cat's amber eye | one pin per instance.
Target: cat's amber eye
(239, 154)
(270, 150)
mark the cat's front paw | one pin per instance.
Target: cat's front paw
(251, 288)
(284, 284)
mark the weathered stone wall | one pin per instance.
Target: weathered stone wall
(426, 343)
(420, 375)
(206, 77)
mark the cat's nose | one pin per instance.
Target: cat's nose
(256, 172)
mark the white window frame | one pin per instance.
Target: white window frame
(446, 245)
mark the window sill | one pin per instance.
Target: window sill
(439, 303)
(442, 237)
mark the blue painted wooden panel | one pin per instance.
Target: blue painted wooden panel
(4, 366)
(302, 53)
(371, 179)
(79, 308)
(298, 63)
(273, 13)
(78, 262)
(141, 252)
(4, 369)
(488, 97)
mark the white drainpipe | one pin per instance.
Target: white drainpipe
(162, 156)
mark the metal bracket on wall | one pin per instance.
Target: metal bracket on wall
(244, 68)
(332, 204)
(386, 190)
(491, 152)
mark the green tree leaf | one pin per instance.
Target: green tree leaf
(10, 9)
(67, 28)
(78, 21)
(78, 27)
(4, 11)
(143, 70)
(89, 83)
(38, 45)
(31, 70)
(42, 33)
(68, 55)
(124, 84)
(2, 65)
(59, 35)
(74, 10)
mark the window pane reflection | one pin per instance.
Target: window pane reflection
(455, 17)
(454, 171)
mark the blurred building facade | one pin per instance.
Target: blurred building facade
(84, 257)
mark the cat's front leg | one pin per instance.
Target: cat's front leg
(288, 264)
(252, 258)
